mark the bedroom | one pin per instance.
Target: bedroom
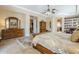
(39, 22)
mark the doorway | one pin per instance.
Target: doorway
(33, 24)
(59, 25)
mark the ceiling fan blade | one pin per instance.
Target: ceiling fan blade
(54, 9)
(53, 12)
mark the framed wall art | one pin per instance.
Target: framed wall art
(12, 22)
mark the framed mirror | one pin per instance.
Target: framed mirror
(12, 22)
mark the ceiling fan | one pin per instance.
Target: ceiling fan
(49, 10)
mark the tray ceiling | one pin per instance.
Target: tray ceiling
(61, 9)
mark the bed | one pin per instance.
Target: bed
(55, 43)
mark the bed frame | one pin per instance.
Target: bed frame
(42, 49)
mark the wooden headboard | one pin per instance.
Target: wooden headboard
(12, 33)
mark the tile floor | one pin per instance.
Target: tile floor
(11, 46)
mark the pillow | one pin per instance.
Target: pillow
(75, 36)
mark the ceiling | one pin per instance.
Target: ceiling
(60, 9)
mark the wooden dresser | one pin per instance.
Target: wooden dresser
(42, 26)
(12, 33)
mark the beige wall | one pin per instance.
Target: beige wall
(4, 14)
(23, 15)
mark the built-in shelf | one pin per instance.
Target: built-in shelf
(71, 23)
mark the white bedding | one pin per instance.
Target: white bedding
(57, 42)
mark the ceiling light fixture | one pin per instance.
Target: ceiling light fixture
(49, 11)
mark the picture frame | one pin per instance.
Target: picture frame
(12, 22)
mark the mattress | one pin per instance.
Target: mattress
(56, 42)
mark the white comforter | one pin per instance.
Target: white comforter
(57, 42)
